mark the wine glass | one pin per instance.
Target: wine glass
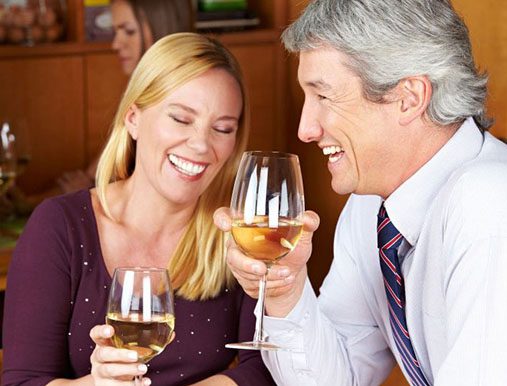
(267, 206)
(141, 311)
(8, 159)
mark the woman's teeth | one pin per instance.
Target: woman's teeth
(188, 168)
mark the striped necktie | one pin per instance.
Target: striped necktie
(389, 239)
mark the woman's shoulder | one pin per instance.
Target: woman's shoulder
(62, 206)
(58, 212)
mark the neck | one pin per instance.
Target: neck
(424, 140)
(148, 213)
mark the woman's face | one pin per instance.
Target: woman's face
(128, 39)
(184, 140)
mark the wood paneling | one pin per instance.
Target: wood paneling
(258, 63)
(104, 84)
(44, 98)
(488, 30)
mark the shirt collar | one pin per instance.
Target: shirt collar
(407, 206)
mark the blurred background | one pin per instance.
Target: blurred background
(60, 83)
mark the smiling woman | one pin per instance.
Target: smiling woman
(168, 164)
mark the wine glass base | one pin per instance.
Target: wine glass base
(264, 346)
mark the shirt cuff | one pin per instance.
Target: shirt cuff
(289, 332)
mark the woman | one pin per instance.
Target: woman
(137, 25)
(169, 162)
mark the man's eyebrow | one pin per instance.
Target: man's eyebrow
(318, 84)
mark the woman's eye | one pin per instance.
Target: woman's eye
(130, 32)
(179, 120)
(224, 130)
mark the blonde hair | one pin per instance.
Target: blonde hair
(197, 267)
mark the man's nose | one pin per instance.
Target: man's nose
(309, 129)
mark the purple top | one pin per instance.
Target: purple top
(57, 291)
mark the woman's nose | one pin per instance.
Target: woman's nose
(115, 44)
(199, 141)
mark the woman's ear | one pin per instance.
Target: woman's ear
(414, 97)
(132, 119)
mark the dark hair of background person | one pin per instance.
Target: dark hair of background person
(164, 17)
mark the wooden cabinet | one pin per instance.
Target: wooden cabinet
(64, 95)
(61, 99)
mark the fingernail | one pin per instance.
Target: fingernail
(107, 331)
(143, 368)
(256, 268)
(132, 355)
(146, 381)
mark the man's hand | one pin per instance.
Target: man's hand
(285, 280)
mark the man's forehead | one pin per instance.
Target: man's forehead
(316, 66)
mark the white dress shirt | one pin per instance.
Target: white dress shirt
(453, 215)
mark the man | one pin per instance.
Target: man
(393, 98)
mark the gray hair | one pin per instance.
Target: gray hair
(388, 40)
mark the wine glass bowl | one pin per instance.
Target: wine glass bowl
(141, 311)
(267, 207)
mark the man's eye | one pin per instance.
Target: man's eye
(321, 97)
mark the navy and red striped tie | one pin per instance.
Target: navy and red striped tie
(389, 239)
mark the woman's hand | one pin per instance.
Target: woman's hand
(285, 280)
(113, 366)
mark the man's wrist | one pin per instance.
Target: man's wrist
(280, 306)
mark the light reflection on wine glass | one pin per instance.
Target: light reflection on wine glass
(267, 207)
(141, 311)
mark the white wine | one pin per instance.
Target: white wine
(147, 338)
(259, 241)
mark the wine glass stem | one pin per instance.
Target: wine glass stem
(259, 328)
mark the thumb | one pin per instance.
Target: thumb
(223, 219)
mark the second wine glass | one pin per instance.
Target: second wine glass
(267, 208)
(141, 311)
(8, 160)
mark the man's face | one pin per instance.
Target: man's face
(360, 138)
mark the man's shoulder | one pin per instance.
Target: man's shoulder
(488, 171)
(477, 191)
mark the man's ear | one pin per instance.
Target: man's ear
(132, 120)
(414, 95)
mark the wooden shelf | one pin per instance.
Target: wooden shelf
(53, 49)
(257, 36)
